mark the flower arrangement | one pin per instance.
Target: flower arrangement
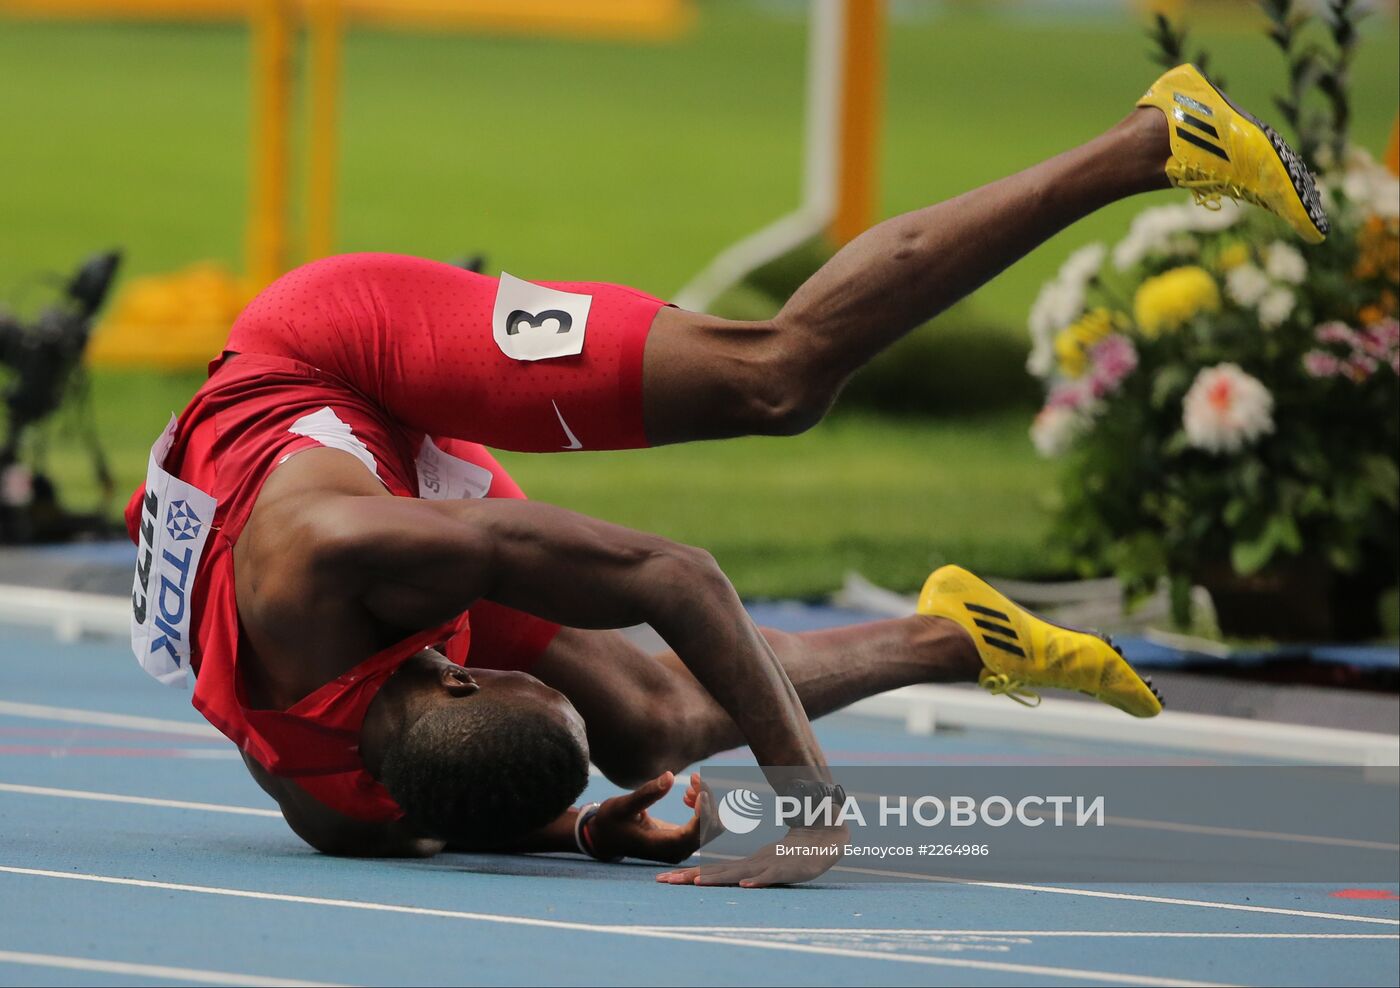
(1228, 403)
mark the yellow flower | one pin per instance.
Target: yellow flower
(1166, 302)
(1073, 343)
(1233, 256)
(1378, 245)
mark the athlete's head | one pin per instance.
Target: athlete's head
(475, 757)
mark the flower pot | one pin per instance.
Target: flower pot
(1299, 599)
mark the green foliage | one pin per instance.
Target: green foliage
(1146, 498)
(1319, 51)
(1143, 500)
(1169, 47)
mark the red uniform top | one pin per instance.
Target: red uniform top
(378, 355)
(249, 416)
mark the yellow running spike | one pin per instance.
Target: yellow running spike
(1220, 150)
(1021, 651)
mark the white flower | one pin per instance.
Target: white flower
(1276, 306)
(1213, 220)
(1285, 263)
(1226, 409)
(1158, 230)
(1149, 233)
(1083, 264)
(1055, 308)
(1369, 185)
(1061, 302)
(1054, 429)
(1246, 284)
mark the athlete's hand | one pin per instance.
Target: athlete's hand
(623, 827)
(811, 851)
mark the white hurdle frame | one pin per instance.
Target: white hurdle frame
(826, 38)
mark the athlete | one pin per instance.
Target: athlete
(412, 656)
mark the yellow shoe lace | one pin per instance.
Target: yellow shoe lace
(1001, 684)
(1207, 188)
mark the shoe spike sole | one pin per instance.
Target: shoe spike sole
(1298, 172)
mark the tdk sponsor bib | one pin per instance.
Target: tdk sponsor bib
(443, 477)
(175, 519)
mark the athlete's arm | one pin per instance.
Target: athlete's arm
(422, 562)
(417, 563)
(622, 827)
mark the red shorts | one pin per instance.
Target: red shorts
(534, 367)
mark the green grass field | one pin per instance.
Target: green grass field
(889, 498)
(623, 162)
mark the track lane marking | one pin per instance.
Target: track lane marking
(1037, 970)
(152, 970)
(878, 932)
(112, 797)
(874, 872)
(73, 715)
(1096, 894)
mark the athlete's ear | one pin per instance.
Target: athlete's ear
(458, 682)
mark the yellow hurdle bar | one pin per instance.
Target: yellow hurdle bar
(325, 27)
(863, 70)
(273, 28)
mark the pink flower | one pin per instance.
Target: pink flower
(1320, 363)
(1112, 359)
(1335, 332)
(1055, 430)
(1360, 367)
(1370, 342)
(1387, 331)
(1382, 341)
(1073, 396)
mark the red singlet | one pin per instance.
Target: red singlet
(408, 365)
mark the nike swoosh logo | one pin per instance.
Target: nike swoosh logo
(573, 442)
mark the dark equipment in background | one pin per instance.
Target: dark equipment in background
(42, 360)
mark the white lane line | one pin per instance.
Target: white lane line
(84, 751)
(112, 797)
(72, 715)
(151, 970)
(1154, 934)
(1200, 828)
(1096, 894)
(875, 872)
(1036, 970)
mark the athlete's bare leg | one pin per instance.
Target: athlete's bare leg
(709, 378)
(647, 714)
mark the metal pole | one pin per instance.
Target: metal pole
(325, 25)
(863, 71)
(272, 27)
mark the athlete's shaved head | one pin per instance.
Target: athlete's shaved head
(479, 759)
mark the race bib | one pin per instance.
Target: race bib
(442, 476)
(175, 519)
(532, 322)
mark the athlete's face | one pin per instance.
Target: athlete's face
(450, 683)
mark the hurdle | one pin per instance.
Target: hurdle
(841, 124)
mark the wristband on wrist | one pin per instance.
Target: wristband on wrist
(584, 815)
(582, 837)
